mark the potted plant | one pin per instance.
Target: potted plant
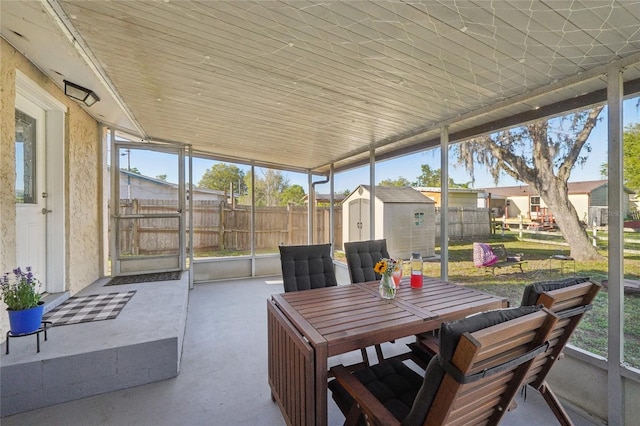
(21, 293)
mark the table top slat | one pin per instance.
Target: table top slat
(353, 316)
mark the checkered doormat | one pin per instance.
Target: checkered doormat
(96, 307)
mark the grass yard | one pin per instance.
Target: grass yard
(509, 282)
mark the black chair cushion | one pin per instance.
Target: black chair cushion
(533, 291)
(307, 267)
(362, 256)
(393, 383)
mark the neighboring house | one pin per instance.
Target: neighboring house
(458, 197)
(136, 186)
(403, 216)
(589, 198)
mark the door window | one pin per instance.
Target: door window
(25, 189)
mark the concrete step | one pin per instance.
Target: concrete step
(142, 345)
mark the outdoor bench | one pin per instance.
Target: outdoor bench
(505, 259)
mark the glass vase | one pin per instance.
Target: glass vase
(387, 287)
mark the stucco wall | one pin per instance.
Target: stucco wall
(7, 157)
(82, 194)
(82, 183)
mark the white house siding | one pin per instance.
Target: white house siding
(82, 179)
(148, 188)
(467, 200)
(518, 206)
(581, 204)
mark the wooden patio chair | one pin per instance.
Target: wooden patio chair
(569, 299)
(361, 257)
(483, 361)
(306, 267)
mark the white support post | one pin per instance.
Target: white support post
(332, 238)
(372, 194)
(615, 393)
(310, 207)
(444, 203)
(253, 220)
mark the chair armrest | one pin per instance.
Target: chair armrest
(372, 408)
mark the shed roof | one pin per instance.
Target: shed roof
(394, 194)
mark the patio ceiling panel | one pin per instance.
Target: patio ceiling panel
(301, 85)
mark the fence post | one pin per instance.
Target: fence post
(135, 235)
(289, 224)
(521, 226)
(492, 223)
(221, 226)
(595, 233)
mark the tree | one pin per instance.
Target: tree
(268, 188)
(132, 170)
(541, 154)
(399, 182)
(428, 177)
(432, 178)
(631, 159)
(293, 194)
(162, 177)
(221, 176)
(631, 147)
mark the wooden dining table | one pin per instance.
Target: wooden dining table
(305, 328)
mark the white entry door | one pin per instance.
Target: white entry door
(30, 189)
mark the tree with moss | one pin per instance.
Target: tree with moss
(541, 154)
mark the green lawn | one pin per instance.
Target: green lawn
(509, 282)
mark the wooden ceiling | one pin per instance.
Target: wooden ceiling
(302, 85)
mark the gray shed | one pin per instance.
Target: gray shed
(404, 217)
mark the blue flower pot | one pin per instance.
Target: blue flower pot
(26, 320)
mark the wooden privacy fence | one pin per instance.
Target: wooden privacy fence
(220, 227)
(466, 223)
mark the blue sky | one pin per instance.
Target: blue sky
(409, 167)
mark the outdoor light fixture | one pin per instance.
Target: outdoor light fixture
(80, 93)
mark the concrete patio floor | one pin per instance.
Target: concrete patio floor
(223, 373)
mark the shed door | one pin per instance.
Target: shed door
(359, 219)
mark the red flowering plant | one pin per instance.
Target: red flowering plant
(20, 289)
